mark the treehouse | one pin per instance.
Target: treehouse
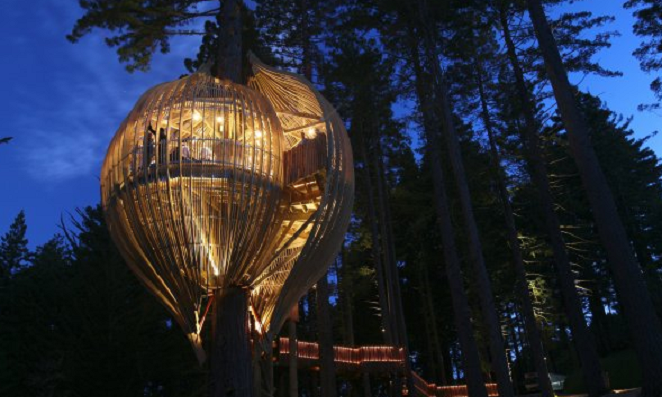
(209, 184)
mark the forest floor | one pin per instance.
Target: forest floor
(615, 393)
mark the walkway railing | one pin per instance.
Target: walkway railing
(382, 359)
(424, 389)
(366, 358)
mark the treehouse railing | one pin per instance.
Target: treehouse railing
(207, 155)
(207, 151)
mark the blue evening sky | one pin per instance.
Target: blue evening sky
(63, 102)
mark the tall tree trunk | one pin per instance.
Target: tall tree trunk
(432, 371)
(345, 298)
(390, 263)
(484, 286)
(390, 279)
(597, 309)
(517, 349)
(432, 316)
(638, 308)
(306, 44)
(521, 284)
(584, 342)
(263, 369)
(230, 58)
(325, 332)
(282, 390)
(231, 373)
(448, 362)
(460, 303)
(563, 330)
(367, 389)
(646, 261)
(377, 258)
(389, 246)
(346, 309)
(324, 325)
(294, 352)
(314, 383)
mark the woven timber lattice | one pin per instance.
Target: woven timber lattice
(209, 184)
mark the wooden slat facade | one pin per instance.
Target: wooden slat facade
(203, 189)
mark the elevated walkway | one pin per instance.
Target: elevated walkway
(371, 359)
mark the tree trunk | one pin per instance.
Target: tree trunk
(461, 309)
(345, 299)
(646, 261)
(346, 307)
(521, 284)
(597, 309)
(484, 286)
(460, 303)
(584, 343)
(293, 359)
(325, 332)
(367, 390)
(231, 353)
(263, 369)
(391, 265)
(517, 350)
(431, 315)
(374, 232)
(314, 383)
(281, 384)
(306, 45)
(430, 359)
(230, 57)
(388, 245)
(231, 365)
(644, 324)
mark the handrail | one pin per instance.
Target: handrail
(376, 359)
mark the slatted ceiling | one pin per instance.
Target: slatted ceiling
(287, 95)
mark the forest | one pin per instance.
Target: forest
(506, 225)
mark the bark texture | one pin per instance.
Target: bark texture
(230, 58)
(231, 373)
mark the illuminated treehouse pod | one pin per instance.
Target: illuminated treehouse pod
(209, 184)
